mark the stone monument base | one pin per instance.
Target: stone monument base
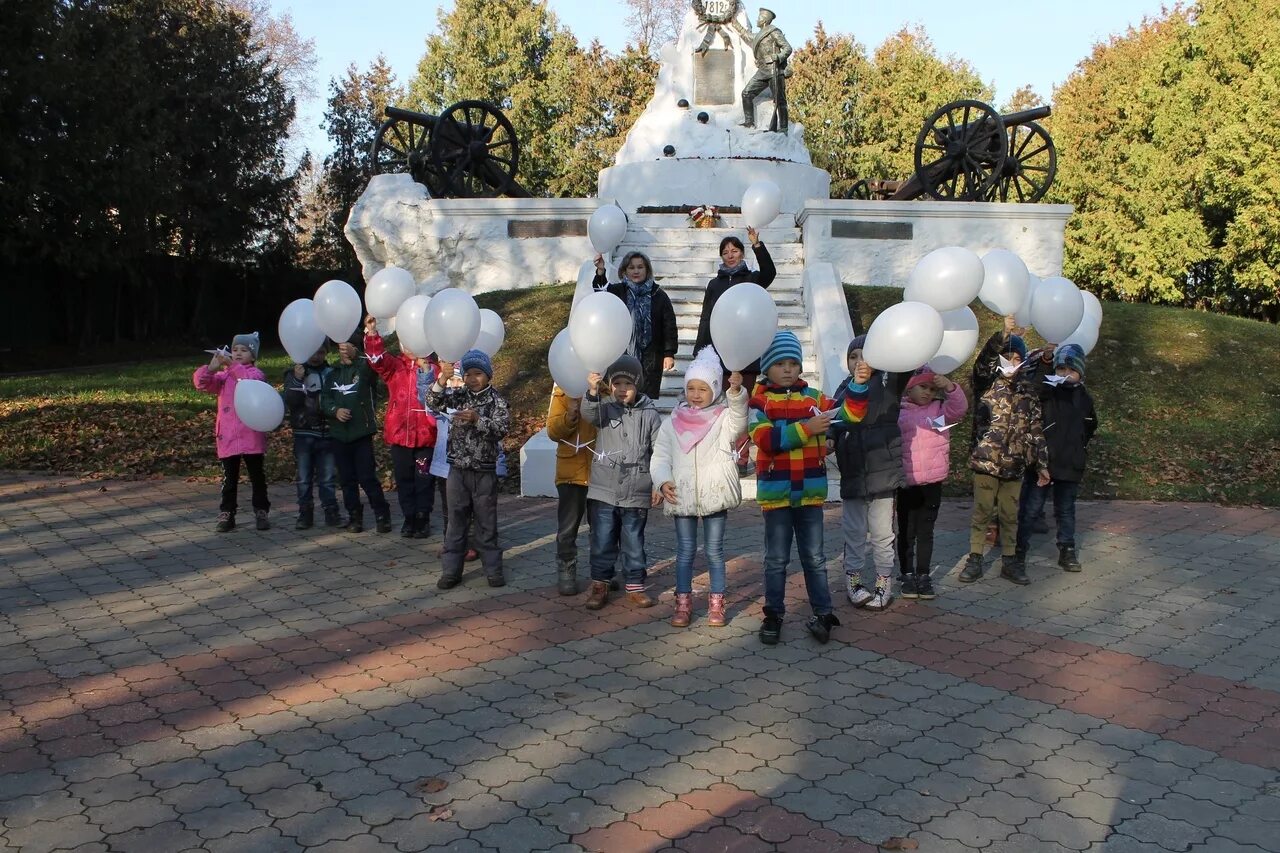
(676, 182)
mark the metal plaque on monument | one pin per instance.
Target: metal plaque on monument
(713, 78)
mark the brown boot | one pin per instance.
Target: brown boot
(599, 595)
(715, 610)
(684, 609)
(640, 598)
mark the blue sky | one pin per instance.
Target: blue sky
(1017, 43)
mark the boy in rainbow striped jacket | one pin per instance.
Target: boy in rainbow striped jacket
(788, 422)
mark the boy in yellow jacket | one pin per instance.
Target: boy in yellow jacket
(574, 439)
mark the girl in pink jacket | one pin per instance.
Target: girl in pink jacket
(236, 441)
(931, 405)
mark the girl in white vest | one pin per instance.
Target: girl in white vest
(695, 474)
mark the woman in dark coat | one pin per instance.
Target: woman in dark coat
(654, 337)
(734, 270)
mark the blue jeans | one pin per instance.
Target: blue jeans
(1032, 502)
(687, 544)
(614, 529)
(316, 468)
(805, 524)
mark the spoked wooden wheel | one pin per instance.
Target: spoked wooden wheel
(1030, 167)
(474, 151)
(960, 151)
(400, 146)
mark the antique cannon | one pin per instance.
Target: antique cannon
(468, 151)
(967, 151)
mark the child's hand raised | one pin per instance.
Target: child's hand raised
(446, 372)
(593, 382)
(862, 373)
(599, 262)
(735, 381)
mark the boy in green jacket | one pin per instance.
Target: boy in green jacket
(348, 403)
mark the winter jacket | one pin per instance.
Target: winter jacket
(624, 447)
(350, 386)
(302, 400)
(869, 453)
(232, 436)
(473, 447)
(706, 477)
(573, 464)
(926, 451)
(722, 282)
(791, 469)
(406, 425)
(1008, 426)
(665, 340)
(1069, 424)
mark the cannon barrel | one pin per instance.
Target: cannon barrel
(1026, 116)
(401, 114)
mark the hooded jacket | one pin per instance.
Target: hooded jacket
(869, 452)
(625, 435)
(926, 452)
(233, 438)
(1008, 428)
(573, 464)
(350, 386)
(706, 478)
(406, 425)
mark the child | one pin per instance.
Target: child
(1009, 438)
(574, 439)
(620, 493)
(926, 461)
(410, 432)
(312, 446)
(1070, 422)
(440, 461)
(235, 441)
(788, 424)
(695, 472)
(348, 403)
(654, 338)
(480, 422)
(869, 454)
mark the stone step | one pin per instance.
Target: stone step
(782, 288)
(792, 310)
(689, 334)
(678, 252)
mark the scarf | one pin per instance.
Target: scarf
(727, 272)
(640, 304)
(692, 425)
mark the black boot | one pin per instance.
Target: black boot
(406, 529)
(1014, 569)
(332, 518)
(820, 626)
(226, 522)
(355, 523)
(306, 518)
(771, 630)
(909, 588)
(972, 569)
(422, 526)
(567, 577)
(1067, 558)
(383, 521)
(924, 587)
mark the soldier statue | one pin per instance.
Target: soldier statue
(772, 51)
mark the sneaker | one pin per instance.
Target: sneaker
(226, 522)
(1015, 570)
(858, 594)
(771, 630)
(1067, 559)
(924, 587)
(260, 519)
(820, 626)
(909, 589)
(972, 569)
(883, 596)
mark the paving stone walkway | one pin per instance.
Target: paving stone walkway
(164, 688)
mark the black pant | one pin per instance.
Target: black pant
(412, 469)
(231, 481)
(472, 495)
(442, 492)
(569, 512)
(357, 468)
(917, 513)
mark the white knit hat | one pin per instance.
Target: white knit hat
(706, 367)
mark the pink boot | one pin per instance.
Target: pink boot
(715, 610)
(684, 608)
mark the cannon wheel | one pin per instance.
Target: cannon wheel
(1030, 167)
(404, 146)
(474, 151)
(960, 151)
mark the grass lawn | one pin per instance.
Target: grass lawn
(1189, 404)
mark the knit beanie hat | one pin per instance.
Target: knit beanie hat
(785, 344)
(1015, 344)
(925, 378)
(250, 340)
(706, 368)
(626, 367)
(857, 343)
(1071, 355)
(477, 359)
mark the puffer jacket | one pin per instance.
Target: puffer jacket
(406, 424)
(302, 400)
(624, 448)
(233, 438)
(706, 478)
(473, 447)
(869, 453)
(350, 386)
(926, 452)
(573, 464)
(1009, 428)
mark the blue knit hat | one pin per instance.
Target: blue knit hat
(250, 340)
(1071, 355)
(1015, 344)
(860, 342)
(477, 359)
(785, 344)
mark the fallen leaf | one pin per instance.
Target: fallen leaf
(441, 814)
(899, 843)
(432, 785)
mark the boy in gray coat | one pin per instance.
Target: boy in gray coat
(621, 491)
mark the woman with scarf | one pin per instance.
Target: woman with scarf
(654, 337)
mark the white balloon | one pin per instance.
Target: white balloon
(1022, 317)
(586, 275)
(337, 309)
(946, 279)
(905, 336)
(453, 323)
(259, 406)
(387, 291)
(959, 338)
(298, 330)
(600, 329)
(743, 323)
(1005, 282)
(411, 324)
(492, 333)
(1092, 307)
(761, 204)
(1057, 309)
(1085, 336)
(566, 368)
(606, 228)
